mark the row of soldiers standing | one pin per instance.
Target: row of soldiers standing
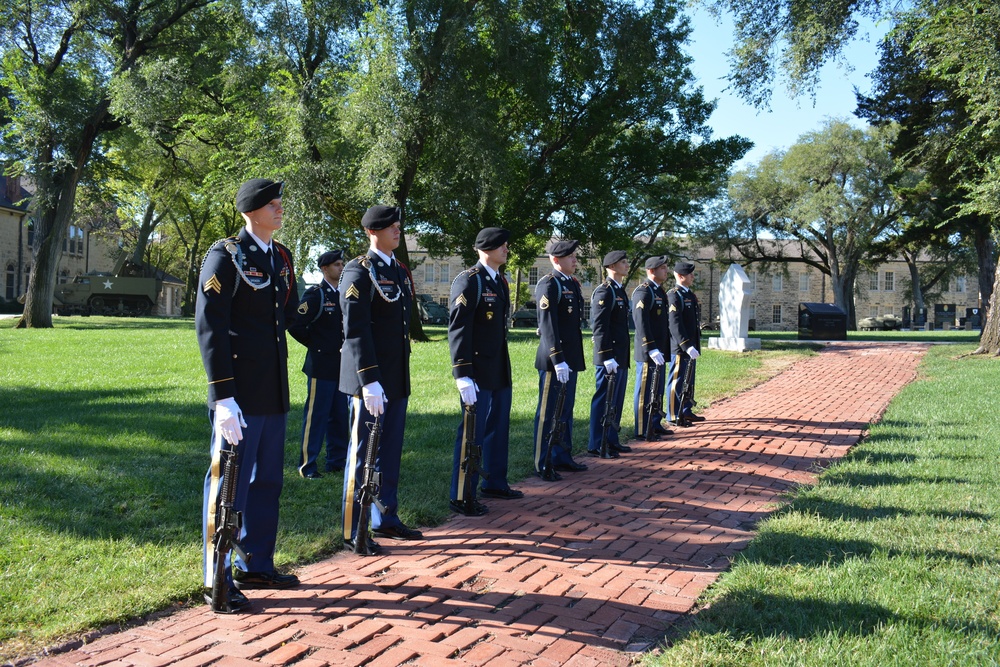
(355, 325)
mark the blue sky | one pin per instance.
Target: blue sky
(787, 119)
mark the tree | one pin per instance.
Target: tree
(823, 203)
(59, 62)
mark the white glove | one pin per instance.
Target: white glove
(562, 372)
(229, 420)
(610, 366)
(468, 390)
(374, 398)
(657, 357)
(693, 353)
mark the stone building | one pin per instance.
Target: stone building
(776, 294)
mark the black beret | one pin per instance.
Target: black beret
(329, 257)
(380, 217)
(614, 257)
(491, 238)
(561, 248)
(683, 268)
(256, 193)
(655, 262)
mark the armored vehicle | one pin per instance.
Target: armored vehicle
(130, 290)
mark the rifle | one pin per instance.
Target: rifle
(608, 419)
(685, 394)
(473, 457)
(555, 435)
(367, 493)
(228, 524)
(655, 412)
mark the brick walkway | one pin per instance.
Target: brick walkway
(586, 571)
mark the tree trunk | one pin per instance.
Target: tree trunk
(989, 341)
(149, 222)
(986, 255)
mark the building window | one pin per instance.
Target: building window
(777, 282)
(31, 233)
(776, 314)
(64, 276)
(445, 273)
(428, 272)
(11, 275)
(889, 282)
(873, 311)
(803, 282)
(533, 275)
(960, 284)
(873, 281)
(753, 312)
(753, 281)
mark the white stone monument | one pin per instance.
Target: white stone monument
(734, 312)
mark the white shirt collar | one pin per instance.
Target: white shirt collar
(489, 271)
(263, 246)
(386, 258)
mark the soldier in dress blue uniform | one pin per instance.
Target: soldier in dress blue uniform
(652, 339)
(559, 357)
(320, 328)
(609, 310)
(685, 334)
(477, 336)
(376, 296)
(245, 299)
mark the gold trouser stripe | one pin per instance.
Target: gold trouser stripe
(352, 459)
(640, 417)
(213, 505)
(308, 429)
(540, 436)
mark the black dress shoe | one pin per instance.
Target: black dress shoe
(502, 494)
(612, 454)
(272, 579)
(313, 475)
(234, 603)
(572, 466)
(475, 508)
(692, 417)
(549, 475)
(659, 430)
(400, 532)
(624, 449)
(373, 548)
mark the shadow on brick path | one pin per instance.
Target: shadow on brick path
(585, 571)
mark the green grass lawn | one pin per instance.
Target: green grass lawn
(893, 558)
(104, 447)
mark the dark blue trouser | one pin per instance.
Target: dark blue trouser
(597, 406)
(324, 416)
(390, 451)
(261, 455)
(493, 435)
(548, 390)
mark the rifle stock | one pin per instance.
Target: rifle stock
(685, 394)
(471, 464)
(555, 435)
(655, 412)
(228, 524)
(367, 493)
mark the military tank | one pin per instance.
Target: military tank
(131, 290)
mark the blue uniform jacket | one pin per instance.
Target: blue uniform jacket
(685, 314)
(652, 328)
(477, 328)
(377, 301)
(560, 307)
(320, 327)
(609, 310)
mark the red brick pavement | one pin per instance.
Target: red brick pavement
(585, 571)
